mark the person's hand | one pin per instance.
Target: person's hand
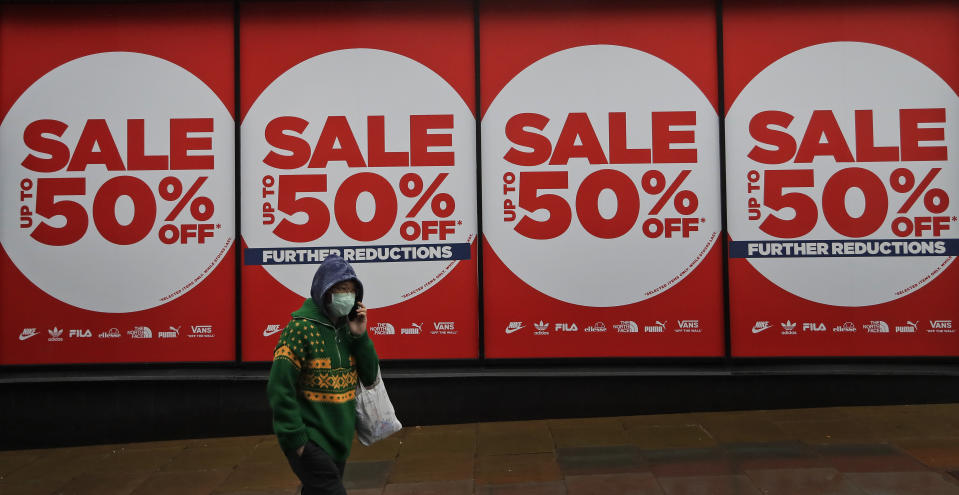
(358, 325)
(299, 451)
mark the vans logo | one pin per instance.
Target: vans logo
(201, 331)
(941, 326)
(444, 325)
(688, 326)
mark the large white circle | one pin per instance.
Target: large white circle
(357, 83)
(842, 77)
(577, 267)
(93, 273)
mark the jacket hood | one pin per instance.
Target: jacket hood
(332, 271)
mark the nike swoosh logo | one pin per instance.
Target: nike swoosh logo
(509, 331)
(757, 330)
(25, 337)
(268, 332)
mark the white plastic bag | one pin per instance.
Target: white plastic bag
(375, 417)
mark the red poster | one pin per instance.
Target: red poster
(841, 146)
(117, 140)
(601, 196)
(359, 139)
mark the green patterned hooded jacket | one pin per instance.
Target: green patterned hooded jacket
(312, 386)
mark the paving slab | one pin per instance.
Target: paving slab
(259, 476)
(738, 484)
(520, 468)
(432, 467)
(42, 486)
(600, 460)
(773, 455)
(816, 481)
(246, 442)
(689, 462)
(103, 484)
(268, 451)
(12, 460)
(182, 482)
(384, 450)
(868, 458)
(520, 437)
(806, 414)
(828, 431)
(454, 439)
(128, 460)
(549, 488)
(937, 453)
(461, 487)
(657, 437)
(365, 475)
(605, 484)
(53, 465)
(588, 432)
(742, 428)
(287, 491)
(907, 483)
(203, 458)
(678, 419)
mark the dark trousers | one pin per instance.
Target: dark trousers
(318, 472)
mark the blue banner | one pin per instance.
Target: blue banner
(357, 254)
(843, 248)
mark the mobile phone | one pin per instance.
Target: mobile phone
(352, 314)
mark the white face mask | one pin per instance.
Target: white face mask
(342, 303)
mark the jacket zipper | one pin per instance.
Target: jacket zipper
(336, 342)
